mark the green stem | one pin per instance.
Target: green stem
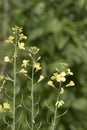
(56, 108)
(14, 95)
(32, 96)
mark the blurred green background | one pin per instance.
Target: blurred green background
(59, 29)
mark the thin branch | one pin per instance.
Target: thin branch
(37, 102)
(19, 118)
(8, 94)
(62, 114)
(26, 107)
(36, 113)
(49, 107)
(28, 124)
(6, 121)
(10, 79)
(22, 102)
(39, 126)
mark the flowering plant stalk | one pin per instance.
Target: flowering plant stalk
(35, 68)
(32, 95)
(15, 39)
(14, 94)
(59, 78)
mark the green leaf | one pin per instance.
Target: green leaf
(54, 25)
(36, 33)
(80, 104)
(39, 9)
(81, 3)
(61, 41)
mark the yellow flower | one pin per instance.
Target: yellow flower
(71, 83)
(6, 106)
(41, 78)
(69, 72)
(55, 75)
(63, 74)
(9, 40)
(1, 109)
(37, 66)
(21, 46)
(59, 103)
(62, 91)
(25, 63)
(59, 77)
(7, 59)
(50, 83)
(23, 71)
(22, 36)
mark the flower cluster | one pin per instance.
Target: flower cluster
(60, 79)
(33, 62)
(15, 39)
(33, 51)
(18, 33)
(4, 107)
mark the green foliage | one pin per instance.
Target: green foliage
(80, 104)
(59, 29)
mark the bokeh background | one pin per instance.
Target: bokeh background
(59, 29)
